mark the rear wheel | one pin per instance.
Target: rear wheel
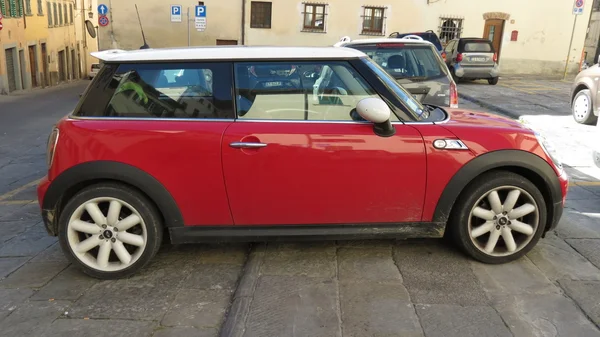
(110, 231)
(493, 80)
(499, 217)
(582, 108)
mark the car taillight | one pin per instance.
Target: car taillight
(51, 146)
(495, 57)
(459, 57)
(444, 56)
(453, 95)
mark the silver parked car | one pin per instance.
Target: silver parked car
(415, 64)
(584, 95)
(472, 58)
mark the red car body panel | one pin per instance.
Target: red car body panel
(324, 173)
(185, 157)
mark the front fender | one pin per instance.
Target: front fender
(532, 166)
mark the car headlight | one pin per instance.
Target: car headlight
(549, 149)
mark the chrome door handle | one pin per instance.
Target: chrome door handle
(239, 145)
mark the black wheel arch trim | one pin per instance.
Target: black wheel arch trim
(498, 160)
(109, 170)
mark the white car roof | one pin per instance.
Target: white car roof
(226, 53)
(384, 40)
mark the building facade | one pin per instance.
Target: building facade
(532, 37)
(42, 43)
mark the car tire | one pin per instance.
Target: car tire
(495, 238)
(493, 80)
(110, 230)
(582, 108)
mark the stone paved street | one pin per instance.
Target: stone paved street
(344, 288)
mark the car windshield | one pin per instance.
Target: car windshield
(406, 61)
(415, 108)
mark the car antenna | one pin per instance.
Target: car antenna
(145, 46)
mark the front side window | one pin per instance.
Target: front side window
(373, 20)
(301, 91)
(414, 107)
(405, 61)
(184, 90)
(260, 14)
(314, 17)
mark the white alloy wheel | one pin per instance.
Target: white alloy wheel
(503, 221)
(107, 234)
(581, 106)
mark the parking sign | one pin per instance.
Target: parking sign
(578, 7)
(200, 11)
(175, 13)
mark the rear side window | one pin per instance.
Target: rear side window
(405, 61)
(477, 47)
(184, 90)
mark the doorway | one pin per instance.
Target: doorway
(11, 69)
(226, 42)
(45, 80)
(23, 67)
(62, 76)
(33, 66)
(493, 31)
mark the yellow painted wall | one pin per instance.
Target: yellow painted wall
(36, 33)
(60, 37)
(87, 44)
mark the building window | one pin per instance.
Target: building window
(60, 15)
(66, 14)
(28, 7)
(71, 13)
(49, 10)
(450, 28)
(373, 20)
(314, 18)
(55, 14)
(40, 7)
(260, 14)
(18, 5)
(3, 7)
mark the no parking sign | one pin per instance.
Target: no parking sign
(578, 7)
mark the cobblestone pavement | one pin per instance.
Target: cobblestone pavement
(343, 288)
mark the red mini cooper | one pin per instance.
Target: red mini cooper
(229, 143)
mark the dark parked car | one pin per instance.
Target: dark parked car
(427, 36)
(472, 58)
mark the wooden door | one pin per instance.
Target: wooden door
(494, 28)
(45, 79)
(32, 66)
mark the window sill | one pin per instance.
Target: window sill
(40, 14)
(310, 30)
(28, 14)
(372, 33)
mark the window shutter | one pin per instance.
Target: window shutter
(12, 5)
(49, 10)
(40, 9)
(28, 7)
(19, 8)
(3, 7)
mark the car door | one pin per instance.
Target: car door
(299, 154)
(450, 53)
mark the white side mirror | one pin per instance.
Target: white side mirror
(378, 112)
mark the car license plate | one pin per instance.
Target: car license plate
(478, 59)
(273, 84)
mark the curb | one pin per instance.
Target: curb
(235, 322)
(492, 107)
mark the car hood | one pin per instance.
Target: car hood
(460, 117)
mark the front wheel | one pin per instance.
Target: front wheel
(110, 231)
(582, 108)
(499, 217)
(493, 81)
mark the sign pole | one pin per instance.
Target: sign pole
(188, 25)
(570, 45)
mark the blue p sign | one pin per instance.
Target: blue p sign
(175, 10)
(200, 11)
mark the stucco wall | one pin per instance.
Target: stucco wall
(11, 36)
(123, 32)
(544, 26)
